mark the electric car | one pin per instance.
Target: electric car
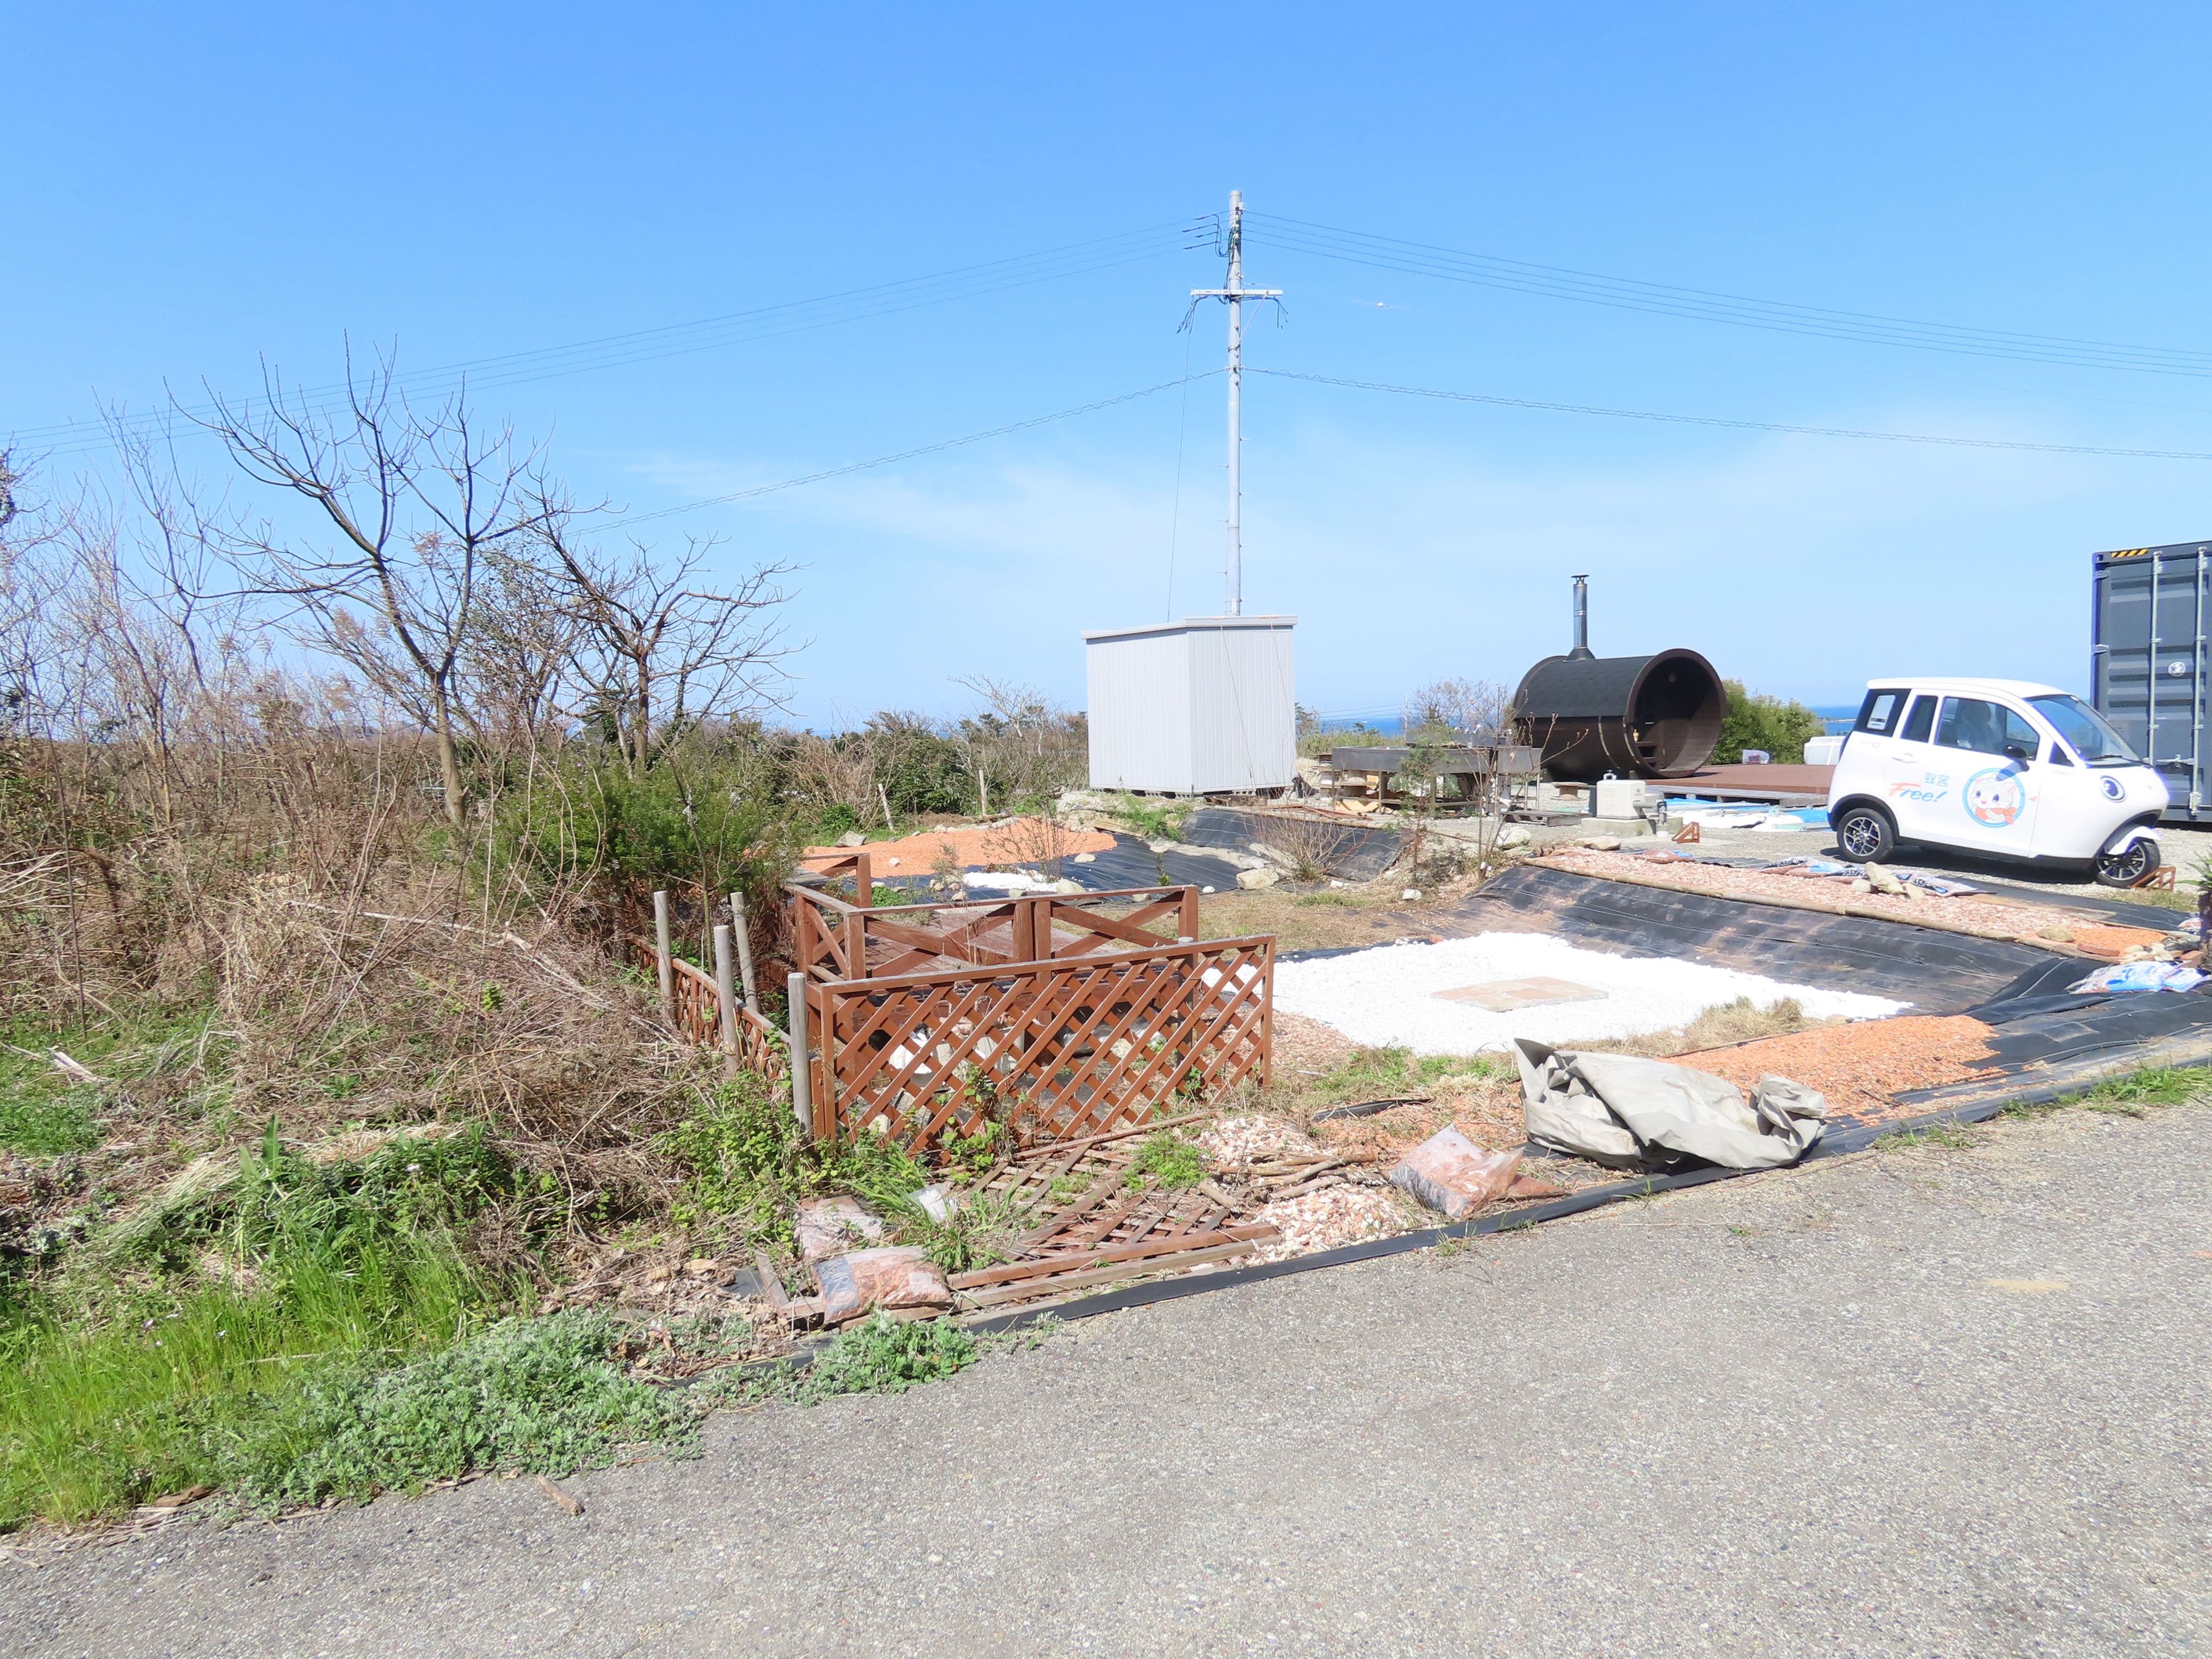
(1999, 768)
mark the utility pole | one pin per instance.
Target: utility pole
(1234, 296)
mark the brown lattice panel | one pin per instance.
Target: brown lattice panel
(1059, 1050)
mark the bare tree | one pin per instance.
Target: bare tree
(659, 651)
(419, 503)
(1471, 711)
(1019, 740)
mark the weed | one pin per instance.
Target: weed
(529, 1394)
(879, 1355)
(746, 1163)
(1177, 1164)
(2153, 1085)
(1935, 1134)
(1152, 819)
(981, 1233)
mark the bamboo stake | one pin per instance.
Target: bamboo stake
(744, 935)
(726, 997)
(802, 1081)
(664, 957)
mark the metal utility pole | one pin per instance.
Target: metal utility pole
(1235, 295)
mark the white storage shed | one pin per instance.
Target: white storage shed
(1204, 705)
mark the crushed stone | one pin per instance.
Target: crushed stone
(1230, 1143)
(1386, 996)
(1335, 1216)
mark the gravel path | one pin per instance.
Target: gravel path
(1389, 995)
(1930, 1401)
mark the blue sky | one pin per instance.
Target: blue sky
(190, 188)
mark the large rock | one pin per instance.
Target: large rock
(1253, 880)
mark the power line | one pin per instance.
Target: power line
(1745, 426)
(910, 454)
(704, 334)
(1742, 311)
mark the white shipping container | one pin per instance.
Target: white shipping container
(1205, 706)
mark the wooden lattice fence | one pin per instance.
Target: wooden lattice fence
(695, 1012)
(1059, 1048)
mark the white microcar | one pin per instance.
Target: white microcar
(2000, 768)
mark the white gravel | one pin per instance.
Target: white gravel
(1386, 997)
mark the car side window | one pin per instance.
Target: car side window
(1986, 728)
(1918, 722)
(1878, 714)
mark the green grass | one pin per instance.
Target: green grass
(1935, 1134)
(1177, 1164)
(46, 1113)
(163, 1365)
(149, 1391)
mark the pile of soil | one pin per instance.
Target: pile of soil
(1018, 842)
(1859, 1066)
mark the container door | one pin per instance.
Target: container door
(1914, 782)
(1994, 780)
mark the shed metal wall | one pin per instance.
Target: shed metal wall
(1205, 706)
(2148, 662)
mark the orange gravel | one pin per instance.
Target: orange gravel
(1025, 842)
(2112, 943)
(1990, 917)
(1859, 1066)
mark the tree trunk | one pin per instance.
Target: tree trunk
(449, 757)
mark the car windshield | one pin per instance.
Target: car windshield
(2092, 737)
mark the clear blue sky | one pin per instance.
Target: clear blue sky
(189, 187)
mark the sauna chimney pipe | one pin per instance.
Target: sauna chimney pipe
(1582, 650)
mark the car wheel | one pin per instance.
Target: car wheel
(1864, 835)
(2128, 866)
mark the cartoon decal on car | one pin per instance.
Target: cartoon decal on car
(1996, 798)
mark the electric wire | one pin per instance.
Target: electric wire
(907, 454)
(1744, 426)
(677, 339)
(1633, 293)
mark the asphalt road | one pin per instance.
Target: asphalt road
(1932, 1401)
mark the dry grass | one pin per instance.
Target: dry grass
(1332, 918)
(1718, 1027)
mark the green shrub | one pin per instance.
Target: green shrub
(918, 770)
(746, 1163)
(1757, 721)
(711, 827)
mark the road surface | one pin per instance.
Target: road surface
(1935, 1401)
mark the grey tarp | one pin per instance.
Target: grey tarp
(1633, 1113)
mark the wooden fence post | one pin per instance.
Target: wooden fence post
(856, 944)
(1187, 916)
(745, 933)
(667, 961)
(726, 997)
(864, 881)
(802, 1077)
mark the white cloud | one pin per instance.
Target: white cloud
(1801, 564)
